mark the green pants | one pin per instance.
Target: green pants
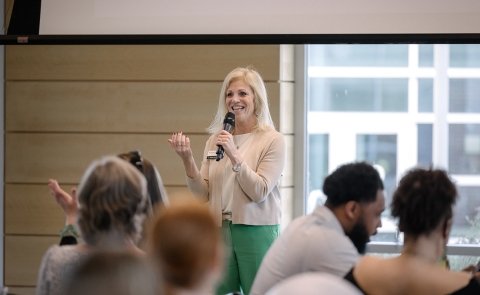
(246, 246)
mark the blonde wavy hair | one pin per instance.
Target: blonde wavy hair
(253, 79)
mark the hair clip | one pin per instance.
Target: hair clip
(136, 159)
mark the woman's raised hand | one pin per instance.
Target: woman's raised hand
(180, 143)
(68, 202)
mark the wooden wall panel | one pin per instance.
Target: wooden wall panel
(138, 62)
(34, 158)
(178, 193)
(31, 210)
(21, 290)
(116, 107)
(23, 255)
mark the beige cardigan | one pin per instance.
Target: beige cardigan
(256, 195)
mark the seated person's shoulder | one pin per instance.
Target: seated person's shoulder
(371, 268)
(370, 262)
(313, 283)
(63, 254)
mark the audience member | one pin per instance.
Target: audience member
(113, 203)
(423, 204)
(332, 236)
(243, 187)
(186, 245)
(314, 283)
(116, 273)
(155, 188)
(69, 204)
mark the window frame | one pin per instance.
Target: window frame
(441, 119)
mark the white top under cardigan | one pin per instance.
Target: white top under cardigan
(256, 194)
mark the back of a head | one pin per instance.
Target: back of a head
(185, 242)
(314, 283)
(113, 201)
(119, 273)
(155, 188)
(423, 199)
(357, 181)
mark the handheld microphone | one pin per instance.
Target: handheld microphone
(228, 125)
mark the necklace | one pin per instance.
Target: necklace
(240, 139)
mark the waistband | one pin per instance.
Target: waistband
(226, 215)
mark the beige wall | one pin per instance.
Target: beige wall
(66, 105)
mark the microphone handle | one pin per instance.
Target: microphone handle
(228, 128)
(220, 150)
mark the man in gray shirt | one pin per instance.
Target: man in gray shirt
(332, 236)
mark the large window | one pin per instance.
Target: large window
(397, 106)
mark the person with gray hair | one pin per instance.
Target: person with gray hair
(242, 188)
(113, 203)
(69, 204)
(109, 272)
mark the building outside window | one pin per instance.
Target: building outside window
(397, 106)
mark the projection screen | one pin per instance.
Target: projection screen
(254, 21)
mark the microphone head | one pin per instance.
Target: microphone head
(229, 119)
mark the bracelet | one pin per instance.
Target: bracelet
(68, 231)
(236, 167)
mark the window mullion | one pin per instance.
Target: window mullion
(440, 105)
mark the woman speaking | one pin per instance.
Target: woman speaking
(242, 187)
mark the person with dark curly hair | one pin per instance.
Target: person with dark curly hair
(332, 236)
(423, 204)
